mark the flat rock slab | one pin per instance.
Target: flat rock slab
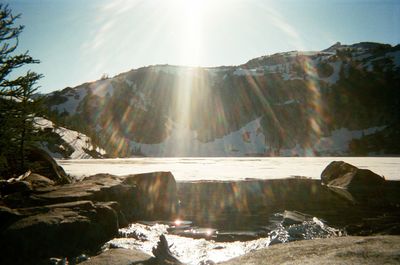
(60, 221)
(120, 256)
(57, 230)
(342, 250)
(140, 196)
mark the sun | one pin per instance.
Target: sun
(191, 6)
(191, 16)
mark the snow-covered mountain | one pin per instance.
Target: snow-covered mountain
(342, 100)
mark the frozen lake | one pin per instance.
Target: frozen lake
(263, 225)
(229, 168)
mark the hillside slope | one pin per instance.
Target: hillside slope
(340, 101)
(64, 143)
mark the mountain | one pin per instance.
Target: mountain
(344, 100)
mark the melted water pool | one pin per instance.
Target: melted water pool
(144, 236)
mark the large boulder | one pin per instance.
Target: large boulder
(17, 189)
(156, 197)
(56, 230)
(10, 187)
(42, 163)
(7, 217)
(38, 181)
(340, 174)
(361, 186)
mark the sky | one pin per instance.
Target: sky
(79, 41)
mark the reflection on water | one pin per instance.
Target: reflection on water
(209, 247)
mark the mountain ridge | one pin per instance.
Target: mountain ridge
(301, 101)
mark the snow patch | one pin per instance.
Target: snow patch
(307, 53)
(336, 143)
(252, 72)
(396, 57)
(175, 70)
(183, 142)
(216, 71)
(339, 140)
(361, 56)
(139, 100)
(78, 141)
(102, 88)
(249, 140)
(74, 98)
(129, 82)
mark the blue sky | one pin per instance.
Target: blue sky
(78, 41)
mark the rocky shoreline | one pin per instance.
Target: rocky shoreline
(65, 220)
(341, 250)
(42, 219)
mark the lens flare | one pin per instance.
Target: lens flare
(206, 104)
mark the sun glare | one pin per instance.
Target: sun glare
(191, 16)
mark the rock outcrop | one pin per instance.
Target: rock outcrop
(38, 181)
(141, 196)
(36, 161)
(57, 230)
(63, 221)
(10, 187)
(340, 250)
(343, 175)
(359, 186)
(45, 165)
(120, 256)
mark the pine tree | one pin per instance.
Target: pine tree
(17, 107)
